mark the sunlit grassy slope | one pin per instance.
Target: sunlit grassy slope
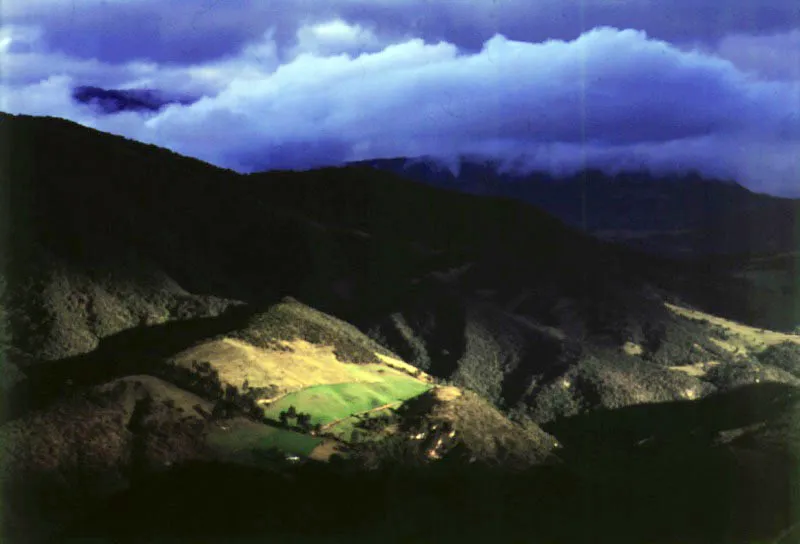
(291, 355)
(291, 347)
(293, 366)
(740, 338)
(329, 403)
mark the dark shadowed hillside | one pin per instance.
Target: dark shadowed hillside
(485, 291)
(722, 229)
(681, 215)
(345, 318)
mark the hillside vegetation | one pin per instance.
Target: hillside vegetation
(155, 333)
(107, 428)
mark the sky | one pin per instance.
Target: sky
(557, 85)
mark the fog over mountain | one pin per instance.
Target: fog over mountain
(555, 86)
(684, 215)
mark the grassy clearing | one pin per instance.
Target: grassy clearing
(697, 370)
(243, 440)
(329, 403)
(632, 348)
(741, 338)
(327, 449)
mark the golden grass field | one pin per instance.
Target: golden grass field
(296, 365)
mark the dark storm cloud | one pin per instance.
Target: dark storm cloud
(188, 32)
(352, 83)
(164, 31)
(110, 101)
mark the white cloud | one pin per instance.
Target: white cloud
(332, 38)
(47, 97)
(612, 98)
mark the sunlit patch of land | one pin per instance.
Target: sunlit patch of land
(329, 403)
(739, 338)
(632, 348)
(291, 366)
(698, 370)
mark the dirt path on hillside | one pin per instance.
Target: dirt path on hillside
(272, 400)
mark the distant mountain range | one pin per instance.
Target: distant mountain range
(686, 216)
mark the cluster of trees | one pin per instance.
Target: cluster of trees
(291, 418)
(378, 423)
(203, 379)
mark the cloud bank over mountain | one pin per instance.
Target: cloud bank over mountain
(343, 89)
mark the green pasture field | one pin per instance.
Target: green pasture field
(330, 403)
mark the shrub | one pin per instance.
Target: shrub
(230, 392)
(785, 356)
(554, 401)
(731, 375)
(256, 412)
(304, 421)
(222, 410)
(375, 424)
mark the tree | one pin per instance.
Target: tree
(219, 411)
(304, 421)
(230, 392)
(257, 411)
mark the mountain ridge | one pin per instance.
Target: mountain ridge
(696, 211)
